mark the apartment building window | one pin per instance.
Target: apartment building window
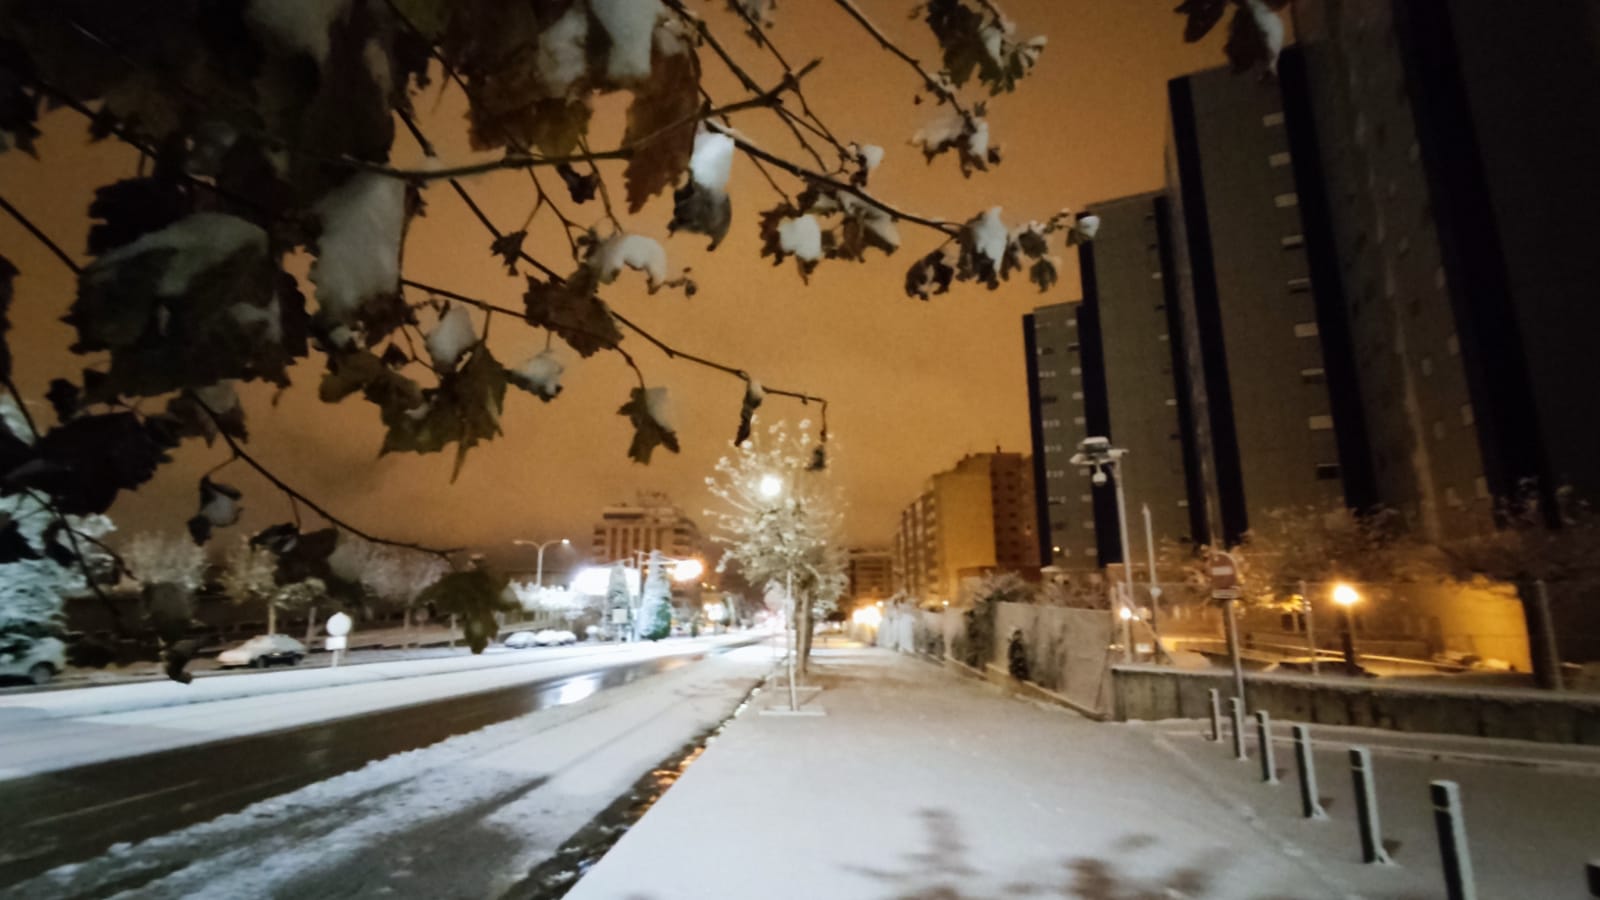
(1305, 330)
(1293, 241)
(1078, 420)
(1467, 417)
(1088, 525)
(1044, 373)
(1048, 398)
(1299, 285)
(1086, 498)
(1172, 401)
(1286, 201)
(1279, 160)
(1183, 504)
(1453, 344)
(1072, 348)
(1075, 370)
(1320, 423)
(1077, 395)
(1163, 338)
(1313, 376)
(1272, 120)
(1327, 471)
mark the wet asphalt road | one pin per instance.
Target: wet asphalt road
(75, 814)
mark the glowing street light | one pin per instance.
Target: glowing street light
(687, 569)
(1346, 597)
(771, 486)
(539, 578)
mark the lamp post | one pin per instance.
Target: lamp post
(538, 577)
(1097, 456)
(1346, 597)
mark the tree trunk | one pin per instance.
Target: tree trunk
(405, 627)
(272, 617)
(804, 627)
(311, 625)
(452, 630)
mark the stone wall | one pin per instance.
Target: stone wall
(1154, 693)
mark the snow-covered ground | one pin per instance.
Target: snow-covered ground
(52, 730)
(467, 817)
(920, 783)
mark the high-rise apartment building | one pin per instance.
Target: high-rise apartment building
(1456, 145)
(1256, 321)
(1058, 411)
(1129, 293)
(652, 522)
(974, 518)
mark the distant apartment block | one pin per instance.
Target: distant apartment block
(870, 572)
(651, 522)
(1058, 410)
(974, 518)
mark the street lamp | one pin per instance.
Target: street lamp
(771, 487)
(1096, 455)
(1346, 597)
(538, 577)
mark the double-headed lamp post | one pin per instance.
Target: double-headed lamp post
(538, 577)
(1097, 456)
(1346, 597)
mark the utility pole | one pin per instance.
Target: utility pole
(1155, 589)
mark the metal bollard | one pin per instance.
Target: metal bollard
(1366, 790)
(1452, 828)
(1594, 877)
(1310, 803)
(1269, 765)
(1236, 714)
(1216, 716)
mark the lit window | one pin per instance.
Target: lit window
(1292, 241)
(1075, 370)
(1305, 330)
(1320, 423)
(1088, 525)
(1183, 503)
(1163, 338)
(1077, 420)
(1172, 401)
(1453, 344)
(1466, 414)
(1272, 120)
(1313, 376)
(1077, 395)
(1286, 201)
(1278, 160)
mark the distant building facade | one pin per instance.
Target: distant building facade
(871, 573)
(651, 522)
(974, 518)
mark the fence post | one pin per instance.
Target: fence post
(1236, 714)
(1269, 765)
(1216, 715)
(1452, 828)
(1594, 877)
(1310, 803)
(1366, 791)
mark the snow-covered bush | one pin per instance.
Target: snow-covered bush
(655, 604)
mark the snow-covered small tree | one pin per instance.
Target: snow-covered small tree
(779, 520)
(250, 575)
(165, 559)
(392, 574)
(618, 596)
(655, 603)
(39, 571)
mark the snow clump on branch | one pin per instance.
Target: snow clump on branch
(635, 251)
(631, 25)
(452, 337)
(358, 253)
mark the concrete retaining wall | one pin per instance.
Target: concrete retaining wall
(1153, 693)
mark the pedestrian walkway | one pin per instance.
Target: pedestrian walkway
(921, 783)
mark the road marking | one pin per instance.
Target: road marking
(112, 803)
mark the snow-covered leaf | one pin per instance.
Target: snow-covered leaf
(977, 42)
(1255, 37)
(540, 376)
(967, 135)
(358, 251)
(753, 395)
(650, 412)
(633, 251)
(452, 337)
(573, 312)
(219, 508)
(1084, 229)
(661, 119)
(984, 249)
(463, 410)
(701, 210)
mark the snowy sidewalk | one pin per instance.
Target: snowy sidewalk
(921, 783)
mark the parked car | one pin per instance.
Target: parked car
(40, 660)
(554, 637)
(263, 650)
(519, 640)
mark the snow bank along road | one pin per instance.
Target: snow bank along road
(81, 770)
